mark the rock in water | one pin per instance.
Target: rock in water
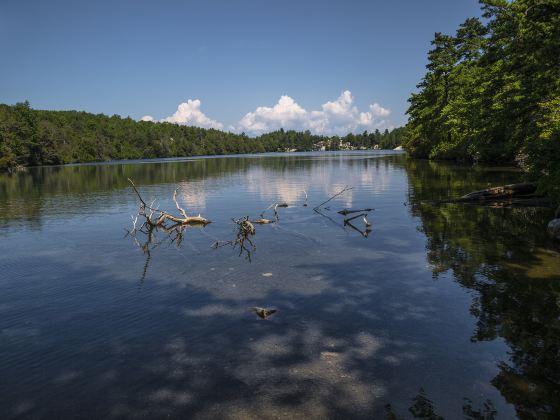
(553, 229)
(263, 312)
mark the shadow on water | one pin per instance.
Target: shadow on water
(213, 358)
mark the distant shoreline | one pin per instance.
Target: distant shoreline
(198, 157)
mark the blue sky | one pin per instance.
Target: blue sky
(340, 65)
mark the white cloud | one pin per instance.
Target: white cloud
(285, 113)
(338, 117)
(189, 113)
(335, 117)
(379, 111)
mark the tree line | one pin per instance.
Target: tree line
(30, 137)
(491, 92)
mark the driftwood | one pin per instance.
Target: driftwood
(150, 219)
(262, 221)
(342, 191)
(346, 212)
(158, 218)
(366, 231)
(245, 231)
(498, 193)
(363, 213)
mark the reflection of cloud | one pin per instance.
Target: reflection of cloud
(193, 196)
(280, 189)
(320, 182)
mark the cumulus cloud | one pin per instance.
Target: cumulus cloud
(189, 113)
(378, 111)
(338, 117)
(284, 114)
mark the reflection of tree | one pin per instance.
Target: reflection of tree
(423, 408)
(26, 196)
(501, 255)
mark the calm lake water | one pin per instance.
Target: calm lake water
(441, 310)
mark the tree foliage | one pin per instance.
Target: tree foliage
(491, 92)
(31, 137)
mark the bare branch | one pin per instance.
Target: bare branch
(346, 212)
(181, 210)
(355, 217)
(137, 193)
(346, 188)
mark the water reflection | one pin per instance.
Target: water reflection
(423, 408)
(505, 258)
(440, 311)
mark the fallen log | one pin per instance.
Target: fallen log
(502, 192)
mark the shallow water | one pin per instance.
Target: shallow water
(444, 310)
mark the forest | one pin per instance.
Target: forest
(491, 93)
(30, 137)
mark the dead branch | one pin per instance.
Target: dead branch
(164, 216)
(181, 210)
(262, 221)
(346, 212)
(275, 207)
(346, 188)
(364, 232)
(245, 230)
(354, 217)
(497, 193)
(264, 211)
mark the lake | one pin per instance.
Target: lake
(447, 310)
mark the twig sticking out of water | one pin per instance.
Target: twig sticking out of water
(346, 188)
(366, 231)
(274, 206)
